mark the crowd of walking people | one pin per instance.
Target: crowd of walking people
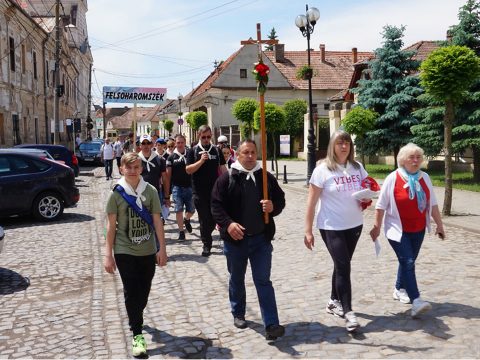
(225, 188)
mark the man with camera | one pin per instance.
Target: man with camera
(204, 163)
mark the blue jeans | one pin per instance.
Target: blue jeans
(407, 252)
(183, 198)
(259, 251)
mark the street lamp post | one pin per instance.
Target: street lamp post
(306, 24)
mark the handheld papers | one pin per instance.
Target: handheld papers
(377, 247)
(365, 194)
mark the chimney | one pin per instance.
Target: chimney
(322, 52)
(279, 52)
(354, 55)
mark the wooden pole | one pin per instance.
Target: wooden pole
(263, 129)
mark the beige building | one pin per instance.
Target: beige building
(27, 67)
(233, 80)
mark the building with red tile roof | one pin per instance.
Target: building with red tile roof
(233, 80)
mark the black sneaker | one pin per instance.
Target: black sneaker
(272, 332)
(206, 251)
(239, 322)
(181, 236)
(187, 224)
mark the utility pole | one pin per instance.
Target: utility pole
(56, 112)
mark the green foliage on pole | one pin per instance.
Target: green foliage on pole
(448, 72)
(195, 119)
(391, 91)
(243, 110)
(295, 111)
(359, 121)
(168, 125)
(466, 126)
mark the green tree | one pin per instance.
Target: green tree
(358, 122)
(466, 126)
(391, 92)
(243, 110)
(447, 74)
(195, 119)
(271, 36)
(294, 113)
(274, 124)
(168, 125)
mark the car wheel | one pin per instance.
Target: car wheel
(47, 206)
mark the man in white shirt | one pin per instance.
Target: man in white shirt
(108, 154)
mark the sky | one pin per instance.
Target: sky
(174, 44)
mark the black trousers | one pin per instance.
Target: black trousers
(341, 246)
(137, 273)
(205, 218)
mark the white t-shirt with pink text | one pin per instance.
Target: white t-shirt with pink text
(339, 210)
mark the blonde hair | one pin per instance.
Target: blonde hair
(331, 159)
(129, 158)
(406, 151)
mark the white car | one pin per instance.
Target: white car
(2, 235)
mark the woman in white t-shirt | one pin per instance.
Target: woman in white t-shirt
(339, 219)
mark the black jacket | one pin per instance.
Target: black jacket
(226, 201)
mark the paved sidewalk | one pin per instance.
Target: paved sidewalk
(56, 301)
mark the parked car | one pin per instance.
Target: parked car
(89, 153)
(58, 152)
(2, 236)
(43, 154)
(32, 185)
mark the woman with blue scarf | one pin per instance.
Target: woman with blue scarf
(405, 205)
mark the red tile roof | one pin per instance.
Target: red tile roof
(423, 48)
(333, 74)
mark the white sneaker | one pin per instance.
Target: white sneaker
(401, 295)
(351, 323)
(334, 307)
(419, 307)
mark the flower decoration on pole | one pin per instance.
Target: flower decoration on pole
(260, 70)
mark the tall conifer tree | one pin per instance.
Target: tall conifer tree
(391, 92)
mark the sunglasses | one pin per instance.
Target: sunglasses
(146, 143)
(172, 146)
(206, 137)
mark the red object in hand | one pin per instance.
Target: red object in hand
(366, 204)
(370, 183)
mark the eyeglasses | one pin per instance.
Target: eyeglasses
(206, 137)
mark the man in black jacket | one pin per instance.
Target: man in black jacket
(238, 208)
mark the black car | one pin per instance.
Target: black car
(59, 153)
(32, 185)
(89, 153)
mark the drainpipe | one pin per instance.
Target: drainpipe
(45, 72)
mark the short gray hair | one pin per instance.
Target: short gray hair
(406, 151)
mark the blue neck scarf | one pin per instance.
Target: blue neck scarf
(414, 187)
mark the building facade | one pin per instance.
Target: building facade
(27, 69)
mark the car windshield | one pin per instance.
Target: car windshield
(90, 146)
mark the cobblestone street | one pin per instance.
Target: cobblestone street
(56, 301)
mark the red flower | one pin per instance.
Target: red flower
(261, 69)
